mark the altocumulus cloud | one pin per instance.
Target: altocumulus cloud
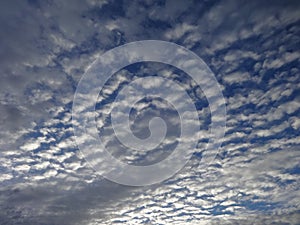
(253, 49)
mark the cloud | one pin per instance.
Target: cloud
(251, 47)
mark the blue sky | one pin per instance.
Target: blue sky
(252, 47)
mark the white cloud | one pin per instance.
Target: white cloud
(39, 158)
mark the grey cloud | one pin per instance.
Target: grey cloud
(45, 48)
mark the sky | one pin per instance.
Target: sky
(251, 47)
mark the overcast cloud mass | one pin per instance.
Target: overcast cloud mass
(252, 47)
